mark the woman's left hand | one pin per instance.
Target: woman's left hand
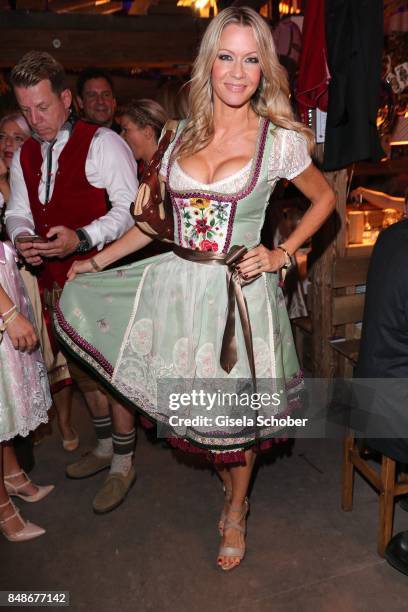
(22, 334)
(260, 259)
(80, 266)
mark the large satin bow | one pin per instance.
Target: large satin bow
(235, 282)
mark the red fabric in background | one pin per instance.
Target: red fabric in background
(314, 75)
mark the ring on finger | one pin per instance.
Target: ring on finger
(259, 265)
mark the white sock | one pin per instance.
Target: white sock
(104, 447)
(121, 464)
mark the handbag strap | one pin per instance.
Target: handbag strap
(170, 129)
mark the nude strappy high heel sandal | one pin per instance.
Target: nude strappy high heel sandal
(28, 531)
(223, 517)
(234, 551)
(16, 490)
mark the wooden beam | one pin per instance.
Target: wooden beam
(31, 5)
(107, 8)
(386, 167)
(326, 246)
(65, 6)
(86, 6)
(138, 7)
(78, 41)
(141, 7)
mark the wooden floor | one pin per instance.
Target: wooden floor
(157, 551)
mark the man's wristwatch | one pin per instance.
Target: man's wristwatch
(84, 241)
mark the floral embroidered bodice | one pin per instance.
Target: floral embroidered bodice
(160, 322)
(213, 217)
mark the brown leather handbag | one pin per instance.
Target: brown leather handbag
(152, 209)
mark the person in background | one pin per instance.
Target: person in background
(173, 97)
(383, 355)
(96, 98)
(24, 396)
(14, 131)
(61, 182)
(379, 198)
(142, 122)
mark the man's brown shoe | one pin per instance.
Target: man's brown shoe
(113, 492)
(88, 465)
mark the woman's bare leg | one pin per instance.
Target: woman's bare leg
(3, 493)
(225, 477)
(12, 467)
(7, 510)
(240, 478)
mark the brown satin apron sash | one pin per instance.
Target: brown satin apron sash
(235, 282)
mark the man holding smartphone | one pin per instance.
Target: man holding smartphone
(71, 186)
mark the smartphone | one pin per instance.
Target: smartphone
(32, 238)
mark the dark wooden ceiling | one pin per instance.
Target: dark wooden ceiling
(81, 40)
(97, 7)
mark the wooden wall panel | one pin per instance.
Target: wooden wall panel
(31, 5)
(110, 49)
(78, 41)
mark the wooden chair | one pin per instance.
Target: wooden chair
(347, 311)
(385, 481)
(347, 306)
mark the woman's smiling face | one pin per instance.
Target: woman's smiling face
(236, 72)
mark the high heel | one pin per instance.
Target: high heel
(223, 517)
(15, 490)
(234, 551)
(29, 531)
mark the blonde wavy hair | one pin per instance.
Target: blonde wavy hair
(271, 100)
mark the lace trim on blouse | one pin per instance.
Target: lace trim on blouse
(289, 158)
(289, 155)
(181, 181)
